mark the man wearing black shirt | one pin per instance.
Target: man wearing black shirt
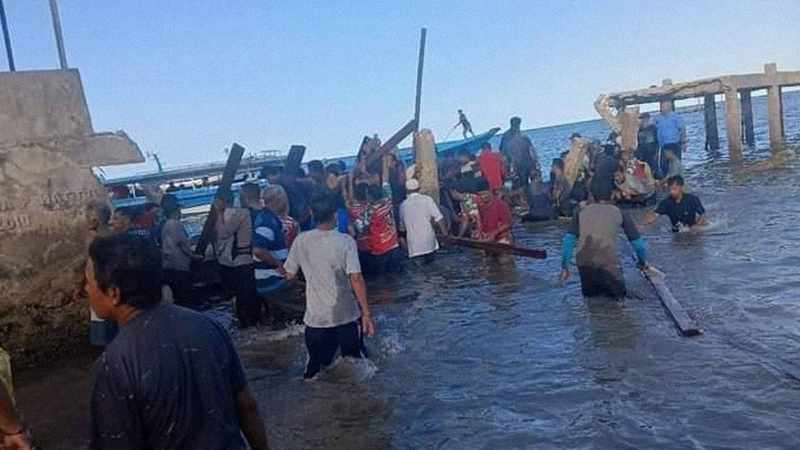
(172, 377)
(648, 144)
(683, 210)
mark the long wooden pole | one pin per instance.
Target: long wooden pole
(62, 54)
(497, 247)
(223, 191)
(7, 37)
(685, 324)
(420, 64)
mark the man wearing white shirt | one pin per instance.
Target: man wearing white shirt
(418, 214)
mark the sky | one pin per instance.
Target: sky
(185, 79)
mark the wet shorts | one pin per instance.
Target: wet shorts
(322, 344)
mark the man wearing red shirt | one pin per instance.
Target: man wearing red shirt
(495, 218)
(492, 167)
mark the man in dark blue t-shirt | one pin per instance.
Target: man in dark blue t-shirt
(171, 378)
(683, 209)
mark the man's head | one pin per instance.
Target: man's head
(516, 122)
(316, 170)
(464, 156)
(121, 220)
(323, 206)
(675, 186)
(557, 167)
(170, 206)
(644, 119)
(334, 169)
(412, 185)
(271, 173)
(574, 136)
(98, 214)
(486, 147)
(601, 190)
(460, 111)
(276, 200)
(250, 196)
(123, 273)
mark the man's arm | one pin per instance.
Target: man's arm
(636, 240)
(292, 264)
(15, 436)
(360, 289)
(250, 420)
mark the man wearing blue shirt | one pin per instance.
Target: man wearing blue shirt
(671, 132)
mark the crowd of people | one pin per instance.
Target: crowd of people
(327, 228)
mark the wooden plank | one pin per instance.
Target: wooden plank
(294, 159)
(685, 324)
(223, 191)
(392, 142)
(497, 247)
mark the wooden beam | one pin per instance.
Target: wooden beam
(712, 132)
(497, 247)
(427, 163)
(630, 129)
(223, 191)
(420, 64)
(733, 124)
(391, 143)
(294, 159)
(685, 324)
(747, 118)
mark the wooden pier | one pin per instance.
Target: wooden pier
(737, 90)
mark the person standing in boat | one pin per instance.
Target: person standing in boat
(466, 127)
(520, 152)
(337, 311)
(594, 229)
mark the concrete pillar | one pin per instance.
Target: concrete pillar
(630, 128)
(427, 165)
(667, 104)
(733, 123)
(774, 109)
(712, 133)
(747, 117)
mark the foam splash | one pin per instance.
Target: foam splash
(291, 330)
(348, 371)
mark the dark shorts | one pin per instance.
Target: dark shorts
(389, 262)
(597, 282)
(322, 344)
(180, 282)
(241, 282)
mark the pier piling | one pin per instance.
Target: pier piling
(712, 133)
(733, 124)
(774, 108)
(747, 118)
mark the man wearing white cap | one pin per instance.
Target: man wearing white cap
(418, 214)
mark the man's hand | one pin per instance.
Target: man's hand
(367, 325)
(564, 276)
(281, 271)
(21, 441)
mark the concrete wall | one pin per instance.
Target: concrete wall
(47, 149)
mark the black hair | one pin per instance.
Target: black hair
(516, 120)
(375, 192)
(269, 170)
(301, 173)
(675, 180)
(466, 153)
(575, 135)
(169, 204)
(131, 264)
(100, 208)
(323, 205)
(250, 191)
(342, 165)
(601, 189)
(559, 163)
(316, 166)
(334, 169)
(487, 144)
(360, 191)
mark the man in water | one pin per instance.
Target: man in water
(172, 377)
(337, 312)
(418, 214)
(466, 127)
(496, 219)
(595, 228)
(648, 144)
(176, 251)
(519, 150)
(683, 209)
(671, 134)
(269, 245)
(492, 167)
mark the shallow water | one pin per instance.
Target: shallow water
(480, 352)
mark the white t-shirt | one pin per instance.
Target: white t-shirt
(416, 214)
(327, 259)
